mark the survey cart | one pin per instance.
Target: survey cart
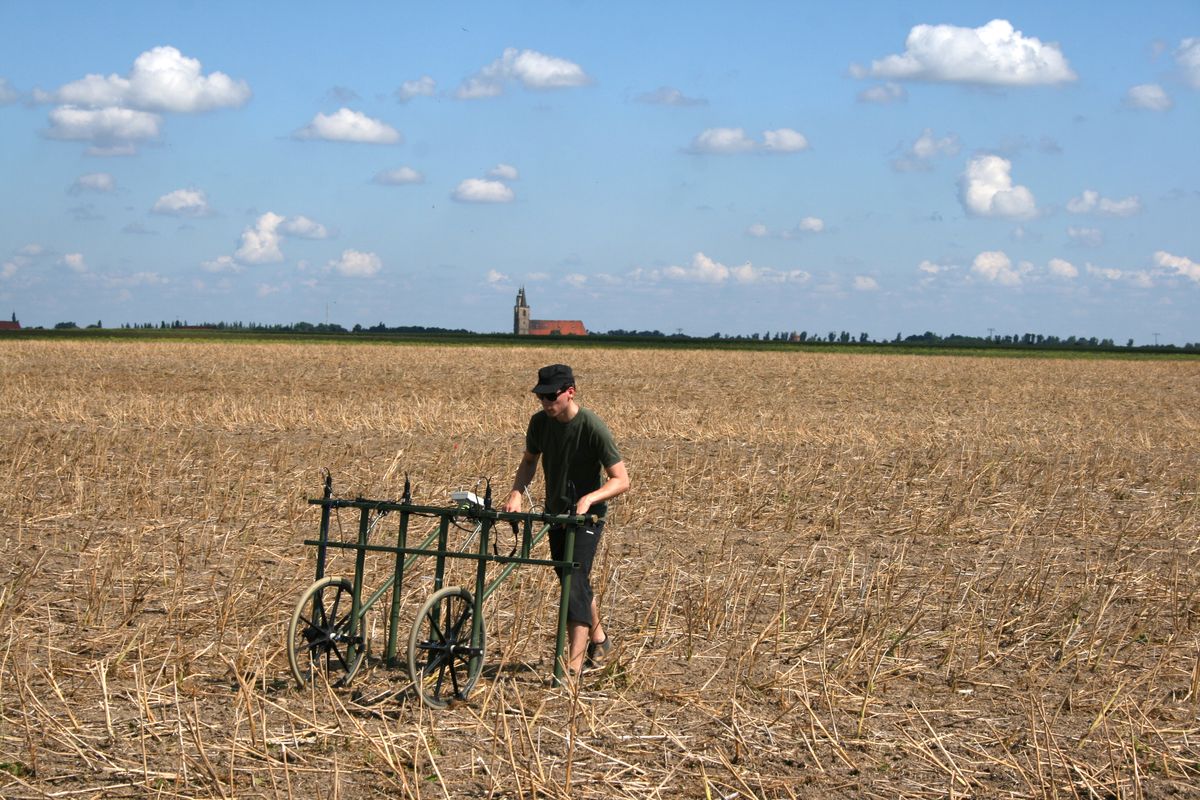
(326, 638)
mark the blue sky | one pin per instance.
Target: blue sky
(955, 167)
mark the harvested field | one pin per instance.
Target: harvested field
(835, 576)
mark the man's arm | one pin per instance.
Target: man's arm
(617, 484)
(525, 472)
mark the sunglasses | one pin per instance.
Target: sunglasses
(550, 397)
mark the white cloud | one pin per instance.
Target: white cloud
(575, 280)
(304, 228)
(162, 79)
(105, 126)
(706, 270)
(531, 69)
(784, 140)
(806, 226)
(670, 96)
(7, 93)
(987, 190)
(355, 264)
(1187, 58)
(1063, 269)
(865, 283)
(725, 141)
(995, 266)
(1139, 278)
(1091, 201)
(504, 172)
(401, 176)
(1179, 265)
(345, 125)
(260, 244)
(1148, 96)
(75, 262)
(494, 277)
(922, 151)
(9, 269)
(221, 264)
(32, 250)
(135, 279)
(266, 290)
(883, 94)
(933, 268)
(94, 182)
(183, 203)
(479, 190)
(992, 55)
(423, 86)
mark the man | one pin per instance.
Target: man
(583, 470)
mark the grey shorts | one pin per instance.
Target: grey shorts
(587, 542)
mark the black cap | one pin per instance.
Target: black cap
(554, 378)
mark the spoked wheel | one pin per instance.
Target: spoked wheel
(321, 637)
(443, 664)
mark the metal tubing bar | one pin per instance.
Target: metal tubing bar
(415, 552)
(563, 603)
(471, 512)
(324, 529)
(398, 585)
(439, 572)
(364, 530)
(480, 579)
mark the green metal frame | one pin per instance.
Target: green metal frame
(405, 557)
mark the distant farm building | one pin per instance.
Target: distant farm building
(10, 326)
(524, 326)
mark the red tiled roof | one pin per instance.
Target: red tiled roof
(565, 327)
(5, 325)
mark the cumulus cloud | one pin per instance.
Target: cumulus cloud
(1178, 265)
(995, 266)
(1187, 59)
(101, 182)
(883, 94)
(260, 244)
(1090, 202)
(75, 262)
(670, 96)
(934, 268)
(703, 269)
(1063, 269)
(479, 190)
(345, 125)
(986, 190)
(221, 264)
(162, 79)
(7, 93)
(1148, 96)
(356, 264)
(423, 86)
(112, 128)
(401, 176)
(758, 230)
(1139, 278)
(726, 141)
(921, 152)
(504, 172)
(495, 278)
(992, 55)
(529, 68)
(183, 203)
(865, 283)
(304, 228)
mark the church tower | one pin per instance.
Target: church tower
(521, 315)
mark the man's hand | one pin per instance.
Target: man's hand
(513, 504)
(583, 505)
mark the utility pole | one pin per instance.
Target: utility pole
(1155, 339)
(990, 330)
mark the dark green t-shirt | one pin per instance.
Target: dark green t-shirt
(574, 456)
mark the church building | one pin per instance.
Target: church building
(524, 326)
